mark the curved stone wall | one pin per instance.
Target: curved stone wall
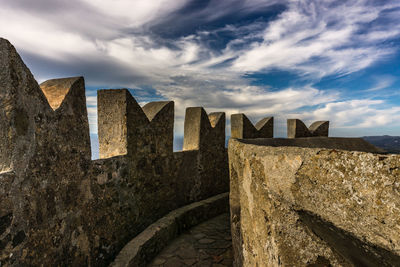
(292, 205)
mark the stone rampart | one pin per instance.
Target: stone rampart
(60, 208)
(314, 202)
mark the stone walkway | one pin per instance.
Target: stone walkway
(207, 244)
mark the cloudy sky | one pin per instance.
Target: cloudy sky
(308, 59)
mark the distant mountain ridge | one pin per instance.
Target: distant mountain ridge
(389, 143)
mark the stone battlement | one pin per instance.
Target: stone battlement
(59, 207)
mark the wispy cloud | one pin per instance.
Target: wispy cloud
(357, 113)
(382, 82)
(91, 102)
(199, 52)
(321, 38)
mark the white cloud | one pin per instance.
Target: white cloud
(354, 114)
(319, 38)
(136, 13)
(381, 35)
(382, 82)
(311, 38)
(91, 102)
(231, 94)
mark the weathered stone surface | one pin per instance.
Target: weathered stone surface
(161, 117)
(205, 134)
(319, 128)
(187, 250)
(47, 155)
(126, 128)
(67, 98)
(293, 206)
(120, 119)
(56, 90)
(296, 128)
(202, 130)
(346, 143)
(241, 127)
(21, 102)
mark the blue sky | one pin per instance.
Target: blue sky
(313, 60)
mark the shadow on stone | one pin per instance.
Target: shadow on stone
(352, 249)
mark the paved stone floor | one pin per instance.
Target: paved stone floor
(207, 244)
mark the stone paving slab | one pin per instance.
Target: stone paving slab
(145, 246)
(207, 244)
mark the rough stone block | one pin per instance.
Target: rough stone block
(21, 102)
(319, 128)
(296, 206)
(206, 134)
(67, 98)
(202, 131)
(113, 108)
(161, 117)
(242, 128)
(296, 128)
(125, 128)
(56, 90)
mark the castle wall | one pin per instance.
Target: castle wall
(47, 151)
(57, 207)
(293, 205)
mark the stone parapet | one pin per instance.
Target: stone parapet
(321, 206)
(127, 129)
(241, 127)
(296, 128)
(202, 131)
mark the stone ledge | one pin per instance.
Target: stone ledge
(140, 250)
(342, 143)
